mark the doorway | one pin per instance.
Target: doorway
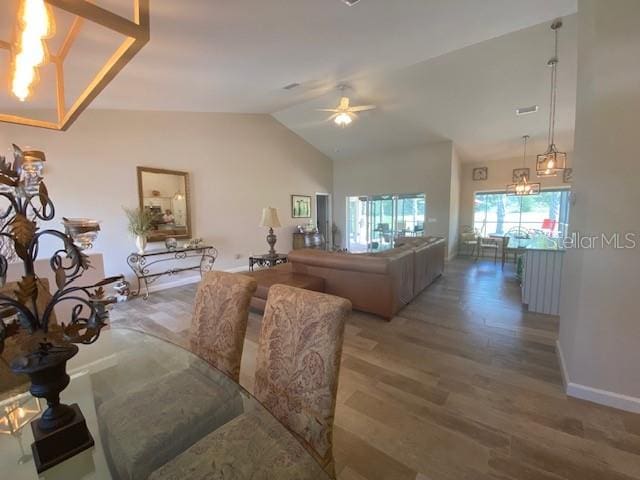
(323, 217)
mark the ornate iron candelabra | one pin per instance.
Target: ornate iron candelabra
(61, 431)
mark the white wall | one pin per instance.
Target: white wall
(500, 175)
(426, 169)
(599, 324)
(237, 163)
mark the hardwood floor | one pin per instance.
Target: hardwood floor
(462, 384)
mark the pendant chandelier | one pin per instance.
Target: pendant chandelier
(552, 162)
(35, 25)
(522, 187)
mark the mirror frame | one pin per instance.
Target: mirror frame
(141, 170)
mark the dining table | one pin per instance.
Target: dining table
(128, 377)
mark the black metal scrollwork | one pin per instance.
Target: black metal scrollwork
(68, 264)
(142, 264)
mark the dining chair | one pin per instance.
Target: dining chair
(469, 239)
(503, 242)
(298, 364)
(217, 333)
(517, 234)
(220, 317)
(491, 244)
(296, 380)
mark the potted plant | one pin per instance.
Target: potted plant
(140, 224)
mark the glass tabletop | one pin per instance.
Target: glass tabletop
(132, 388)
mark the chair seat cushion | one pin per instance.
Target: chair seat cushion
(145, 428)
(252, 446)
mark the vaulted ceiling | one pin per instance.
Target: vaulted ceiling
(428, 64)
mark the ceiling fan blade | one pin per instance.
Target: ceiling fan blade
(333, 116)
(327, 110)
(362, 108)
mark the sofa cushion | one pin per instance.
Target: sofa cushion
(340, 261)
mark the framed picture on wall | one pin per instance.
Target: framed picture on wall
(519, 174)
(480, 173)
(567, 175)
(300, 206)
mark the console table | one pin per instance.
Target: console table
(148, 266)
(267, 260)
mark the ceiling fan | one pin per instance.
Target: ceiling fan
(344, 114)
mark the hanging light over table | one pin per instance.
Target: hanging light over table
(35, 25)
(552, 162)
(522, 187)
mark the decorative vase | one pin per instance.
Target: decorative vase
(141, 243)
(61, 431)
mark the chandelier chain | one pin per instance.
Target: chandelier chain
(554, 90)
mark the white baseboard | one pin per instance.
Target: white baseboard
(189, 280)
(175, 283)
(595, 395)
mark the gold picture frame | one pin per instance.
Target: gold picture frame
(151, 197)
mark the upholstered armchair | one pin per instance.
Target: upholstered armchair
(220, 320)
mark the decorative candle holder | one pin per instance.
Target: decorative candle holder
(61, 431)
(83, 231)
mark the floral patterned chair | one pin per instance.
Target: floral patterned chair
(297, 371)
(220, 320)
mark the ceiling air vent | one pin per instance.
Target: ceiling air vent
(351, 3)
(527, 110)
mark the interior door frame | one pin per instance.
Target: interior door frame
(329, 237)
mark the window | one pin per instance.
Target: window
(498, 213)
(374, 221)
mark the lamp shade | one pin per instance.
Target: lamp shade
(270, 218)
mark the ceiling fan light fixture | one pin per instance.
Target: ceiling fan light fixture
(343, 119)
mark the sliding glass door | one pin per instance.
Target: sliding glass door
(374, 221)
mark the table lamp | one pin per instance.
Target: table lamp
(270, 219)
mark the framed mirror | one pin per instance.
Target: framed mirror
(165, 193)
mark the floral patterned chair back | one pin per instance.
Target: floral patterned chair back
(220, 320)
(298, 364)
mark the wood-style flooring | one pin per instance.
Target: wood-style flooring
(462, 384)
